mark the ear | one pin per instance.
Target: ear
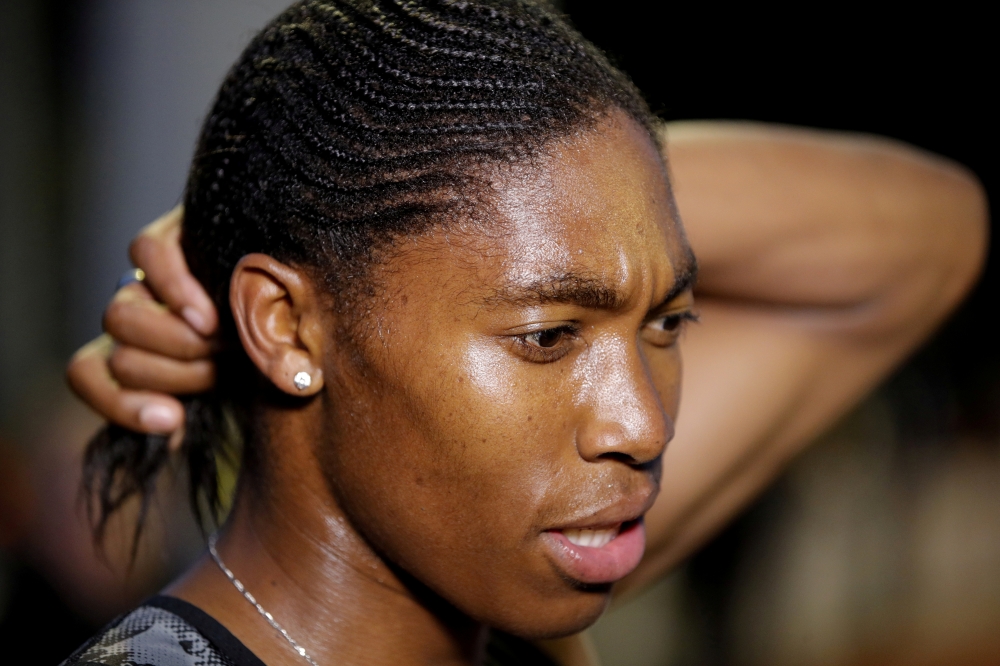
(278, 316)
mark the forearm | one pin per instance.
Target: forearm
(798, 217)
(825, 259)
(744, 417)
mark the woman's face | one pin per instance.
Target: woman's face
(498, 430)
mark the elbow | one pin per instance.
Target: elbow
(956, 245)
(978, 242)
(937, 246)
(963, 234)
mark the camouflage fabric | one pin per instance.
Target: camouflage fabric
(169, 632)
(164, 632)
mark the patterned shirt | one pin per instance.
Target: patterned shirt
(166, 631)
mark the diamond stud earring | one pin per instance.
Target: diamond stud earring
(302, 380)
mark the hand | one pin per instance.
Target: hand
(158, 341)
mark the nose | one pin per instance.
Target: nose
(623, 414)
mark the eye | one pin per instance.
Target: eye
(665, 329)
(550, 337)
(546, 345)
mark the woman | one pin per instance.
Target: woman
(451, 281)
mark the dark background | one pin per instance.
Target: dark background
(921, 77)
(925, 77)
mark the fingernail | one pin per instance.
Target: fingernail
(158, 419)
(196, 319)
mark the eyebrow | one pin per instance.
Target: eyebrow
(588, 291)
(685, 277)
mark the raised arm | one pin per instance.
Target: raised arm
(825, 259)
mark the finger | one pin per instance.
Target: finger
(142, 411)
(134, 319)
(137, 369)
(157, 251)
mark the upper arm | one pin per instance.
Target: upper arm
(825, 259)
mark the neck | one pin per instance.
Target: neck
(307, 566)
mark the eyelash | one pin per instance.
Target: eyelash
(673, 324)
(536, 353)
(531, 347)
(677, 319)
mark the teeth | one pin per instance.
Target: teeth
(591, 538)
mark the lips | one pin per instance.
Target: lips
(597, 555)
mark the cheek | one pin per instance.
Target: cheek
(490, 443)
(453, 467)
(450, 477)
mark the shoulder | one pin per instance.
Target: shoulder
(163, 632)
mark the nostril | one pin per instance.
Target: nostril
(619, 456)
(631, 461)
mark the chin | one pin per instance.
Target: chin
(557, 619)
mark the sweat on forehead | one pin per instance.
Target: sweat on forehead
(589, 221)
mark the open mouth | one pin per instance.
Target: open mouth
(591, 538)
(597, 555)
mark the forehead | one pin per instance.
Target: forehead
(597, 204)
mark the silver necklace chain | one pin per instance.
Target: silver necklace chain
(249, 597)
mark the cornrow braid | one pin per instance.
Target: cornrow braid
(344, 125)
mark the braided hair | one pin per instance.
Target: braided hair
(344, 125)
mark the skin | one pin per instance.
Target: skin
(525, 378)
(824, 259)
